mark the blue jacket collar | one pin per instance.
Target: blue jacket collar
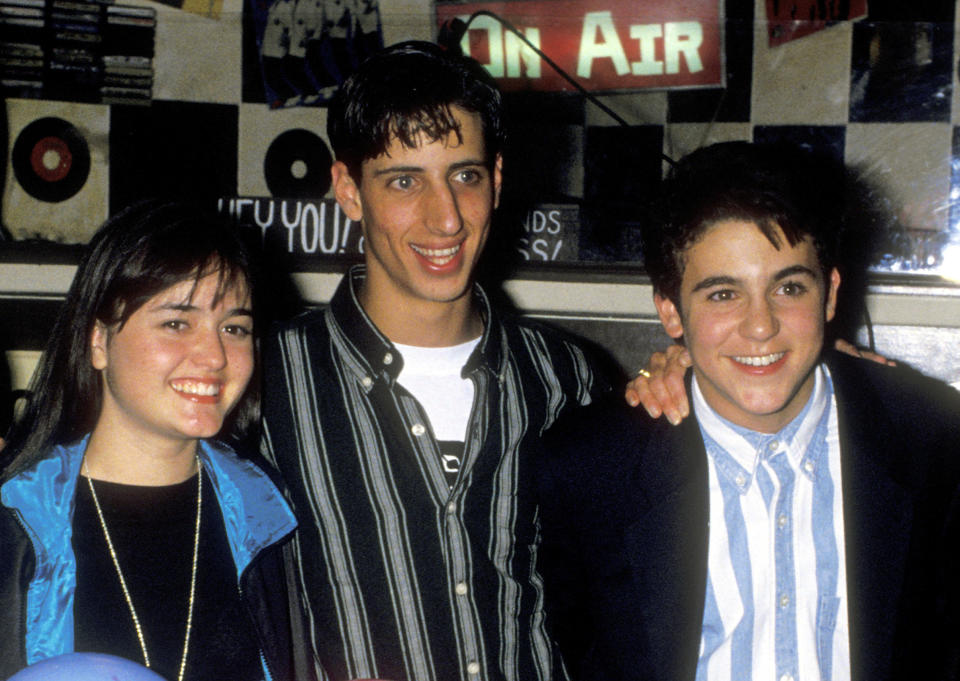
(254, 513)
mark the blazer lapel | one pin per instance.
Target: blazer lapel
(668, 549)
(877, 516)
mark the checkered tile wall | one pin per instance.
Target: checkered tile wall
(879, 93)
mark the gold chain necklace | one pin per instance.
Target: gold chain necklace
(123, 582)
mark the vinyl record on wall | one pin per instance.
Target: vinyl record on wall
(259, 127)
(58, 165)
(51, 159)
(297, 165)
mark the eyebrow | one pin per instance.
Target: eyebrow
(710, 282)
(190, 307)
(794, 270)
(397, 169)
(466, 163)
(726, 280)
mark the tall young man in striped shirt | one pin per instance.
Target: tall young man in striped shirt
(802, 524)
(402, 417)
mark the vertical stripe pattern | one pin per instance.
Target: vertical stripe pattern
(776, 585)
(404, 577)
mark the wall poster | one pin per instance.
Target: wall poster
(308, 47)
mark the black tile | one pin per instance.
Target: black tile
(622, 171)
(829, 140)
(179, 150)
(901, 71)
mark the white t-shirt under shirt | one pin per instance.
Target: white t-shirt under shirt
(433, 377)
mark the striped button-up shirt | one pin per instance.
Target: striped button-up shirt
(404, 577)
(775, 606)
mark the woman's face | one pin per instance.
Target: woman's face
(177, 366)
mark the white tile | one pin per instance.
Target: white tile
(910, 164)
(805, 81)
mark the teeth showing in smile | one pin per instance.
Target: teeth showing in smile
(438, 256)
(193, 388)
(762, 361)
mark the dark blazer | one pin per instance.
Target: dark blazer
(624, 503)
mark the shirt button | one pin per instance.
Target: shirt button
(473, 668)
(388, 358)
(461, 589)
(808, 466)
(784, 601)
(452, 507)
(782, 521)
(418, 429)
(786, 677)
(741, 479)
(774, 445)
(366, 381)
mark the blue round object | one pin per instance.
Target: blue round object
(85, 667)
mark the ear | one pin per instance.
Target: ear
(497, 179)
(831, 302)
(98, 345)
(669, 316)
(346, 191)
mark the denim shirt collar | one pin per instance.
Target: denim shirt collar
(737, 451)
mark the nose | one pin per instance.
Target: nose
(443, 210)
(760, 321)
(209, 351)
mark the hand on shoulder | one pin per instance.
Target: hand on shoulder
(661, 390)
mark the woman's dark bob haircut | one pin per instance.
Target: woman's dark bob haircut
(143, 250)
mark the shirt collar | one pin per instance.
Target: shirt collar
(737, 450)
(375, 357)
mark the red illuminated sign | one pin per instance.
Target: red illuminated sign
(603, 44)
(791, 19)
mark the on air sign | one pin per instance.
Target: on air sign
(604, 44)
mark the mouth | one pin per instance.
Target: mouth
(759, 360)
(202, 390)
(437, 256)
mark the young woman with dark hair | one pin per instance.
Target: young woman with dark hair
(126, 528)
